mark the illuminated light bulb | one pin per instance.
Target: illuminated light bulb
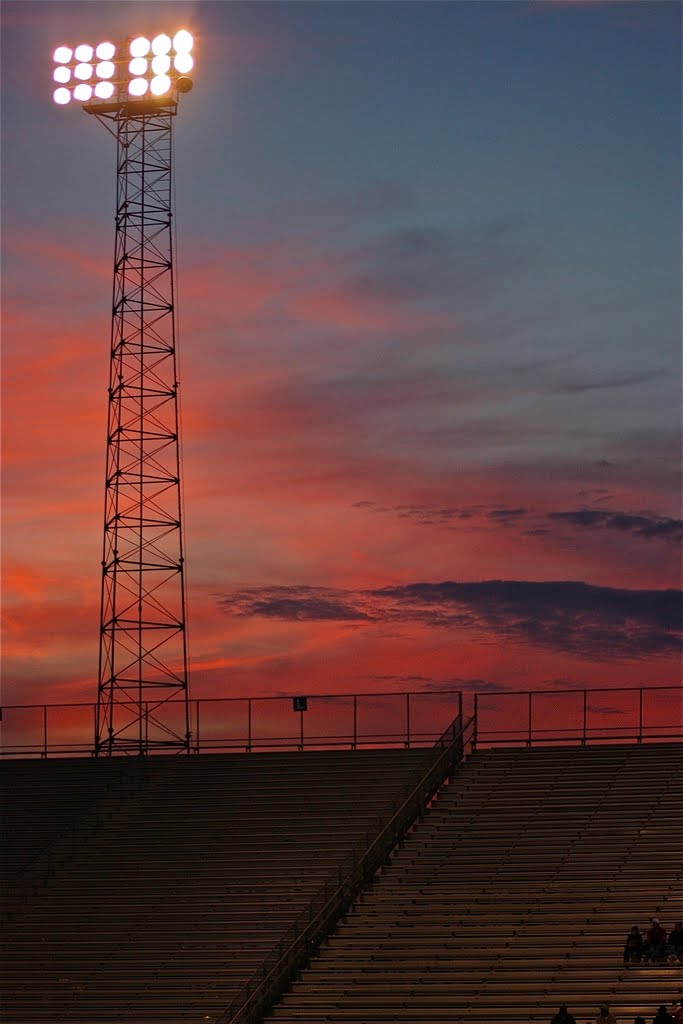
(61, 74)
(62, 55)
(137, 87)
(105, 51)
(83, 92)
(83, 71)
(160, 85)
(105, 69)
(161, 64)
(104, 90)
(61, 96)
(183, 63)
(138, 66)
(182, 41)
(83, 52)
(139, 47)
(161, 44)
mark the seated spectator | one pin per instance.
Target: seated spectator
(633, 949)
(677, 1011)
(655, 942)
(663, 1016)
(604, 1016)
(563, 1016)
(639, 1020)
(676, 940)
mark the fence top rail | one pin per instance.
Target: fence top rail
(578, 689)
(282, 696)
(376, 693)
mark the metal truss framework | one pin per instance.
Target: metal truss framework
(143, 663)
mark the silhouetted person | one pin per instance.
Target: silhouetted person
(655, 942)
(604, 1016)
(676, 940)
(663, 1016)
(633, 948)
(563, 1016)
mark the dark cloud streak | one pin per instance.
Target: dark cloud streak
(571, 617)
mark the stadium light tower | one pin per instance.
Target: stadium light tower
(133, 88)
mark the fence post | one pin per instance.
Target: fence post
(408, 720)
(585, 695)
(528, 742)
(196, 726)
(355, 721)
(146, 727)
(301, 730)
(249, 724)
(640, 715)
(44, 754)
(475, 724)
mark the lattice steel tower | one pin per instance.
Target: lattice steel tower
(143, 687)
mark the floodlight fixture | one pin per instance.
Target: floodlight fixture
(61, 96)
(182, 41)
(151, 70)
(104, 90)
(138, 66)
(160, 85)
(161, 44)
(105, 51)
(183, 63)
(161, 64)
(140, 47)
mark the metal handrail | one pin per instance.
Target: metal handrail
(295, 949)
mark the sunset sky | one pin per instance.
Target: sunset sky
(429, 326)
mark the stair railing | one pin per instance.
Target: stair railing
(300, 943)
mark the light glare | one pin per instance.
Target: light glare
(183, 63)
(83, 92)
(138, 66)
(62, 56)
(83, 52)
(137, 87)
(105, 51)
(161, 44)
(104, 90)
(61, 74)
(161, 64)
(182, 41)
(160, 85)
(139, 47)
(105, 69)
(83, 71)
(61, 96)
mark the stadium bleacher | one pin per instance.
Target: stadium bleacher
(149, 890)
